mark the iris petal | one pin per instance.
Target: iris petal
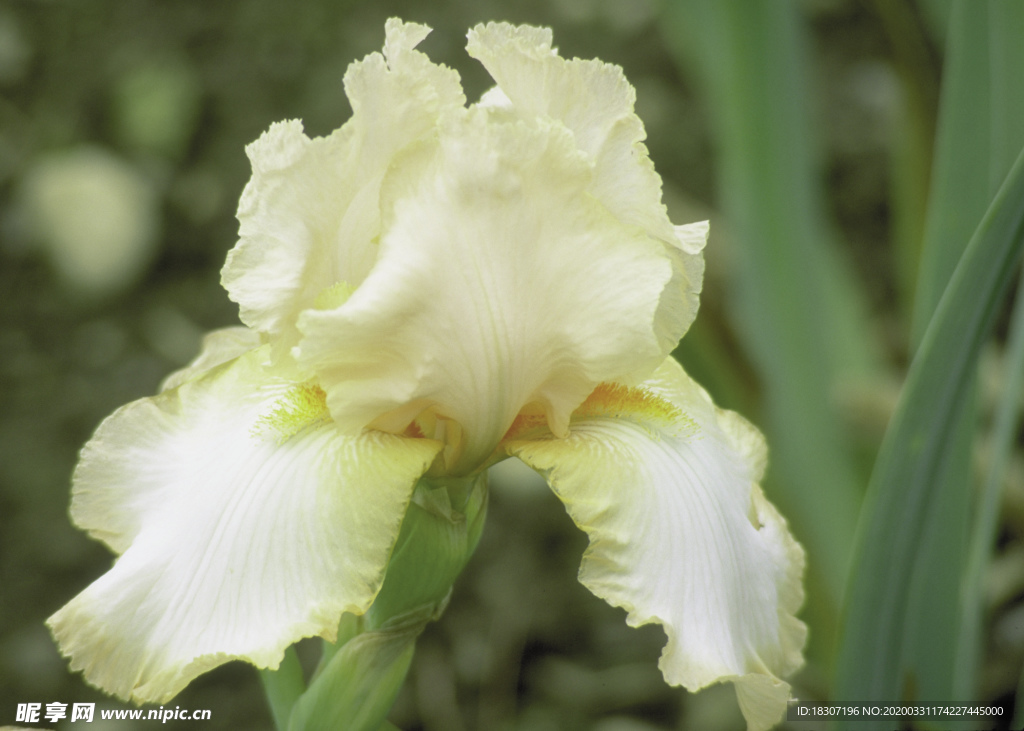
(500, 283)
(595, 102)
(309, 217)
(219, 346)
(244, 521)
(665, 485)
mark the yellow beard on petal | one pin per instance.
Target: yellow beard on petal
(623, 402)
(302, 407)
(611, 400)
(334, 296)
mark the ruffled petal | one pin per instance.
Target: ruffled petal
(219, 346)
(244, 521)
(596, 102)
(309, 217)
(500, 283)
(665, 485)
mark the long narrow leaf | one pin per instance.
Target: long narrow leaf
(1006, 56)
(913, 456)
(928, 654)
(913, 141)
(960, 189)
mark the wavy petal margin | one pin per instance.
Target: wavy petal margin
(244, 521)
(595, 102)
(665, 485)
(310, 216)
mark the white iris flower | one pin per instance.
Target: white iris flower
(428, 290)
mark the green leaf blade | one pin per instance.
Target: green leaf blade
(915, 452)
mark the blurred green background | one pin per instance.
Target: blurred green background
(806, 132)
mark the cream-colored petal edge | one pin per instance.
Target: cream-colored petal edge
(665, 485)
(244, 520)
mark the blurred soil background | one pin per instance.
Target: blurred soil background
(122, 135)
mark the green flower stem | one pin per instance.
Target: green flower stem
(360, 675)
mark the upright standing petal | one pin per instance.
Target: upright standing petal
(310, 216)
(595, 101)
(500, 283)
(680, 533)
(244, 521)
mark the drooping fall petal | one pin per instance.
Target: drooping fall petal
(244, 522)
(219, 346)
(665, 485)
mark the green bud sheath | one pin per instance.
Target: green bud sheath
(360, 675)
